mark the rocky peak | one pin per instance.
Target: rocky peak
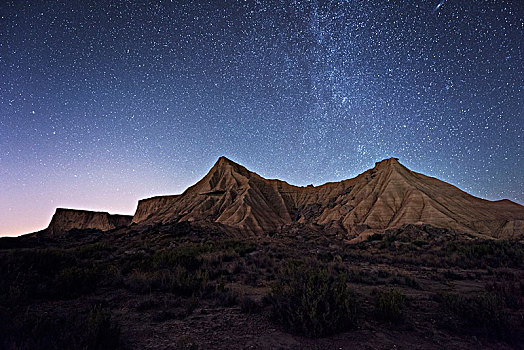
(224, 164)
(387, 196)
(223, 175)
(388, 163)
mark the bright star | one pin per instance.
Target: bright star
(439, 5)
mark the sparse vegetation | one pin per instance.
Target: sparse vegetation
(312, 300)
(389, 305)
(102, 331)
(94, 330)
(405, 280)
(487, 253)
(510, 291)
(249, 306)
(482, 312)
(158, 279)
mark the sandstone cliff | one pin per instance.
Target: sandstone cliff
(387, 196)
(67, 219)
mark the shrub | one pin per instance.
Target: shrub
(38, 263)
(387, 241)
(178, 280)
(73, 281)
(140, 282)
(510, 291)
(452, 275)
(375, 237)
(186, 257)
(102, 331)
(412, 282)
(249, 306)
(240, 248)
(182, 281)
(312, 300)
(389, 305)
(383, 273)
(45, 261)
(488, 253)
(30, 330)
(226, 297)
(362, 276)
(59, 330)
(483, 313)
(92, 251)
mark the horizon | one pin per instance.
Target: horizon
(251, 170)
(102, 104)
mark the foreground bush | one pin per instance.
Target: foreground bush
(487, 253)
(389, 305)
(102, 331)
(484, 312)
(511, 292)
(312, 300)
(177, 280)
(91, 330)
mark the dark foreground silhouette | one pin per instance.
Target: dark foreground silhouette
(201, 286)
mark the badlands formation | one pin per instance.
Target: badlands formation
(65, 220)
(387, 196)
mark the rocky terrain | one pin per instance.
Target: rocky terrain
(387, 196)
(389, 259)
(65, 220)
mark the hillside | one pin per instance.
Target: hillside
(385, 197)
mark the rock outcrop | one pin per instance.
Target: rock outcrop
(147, 207)
(387, 196)
(65, 220)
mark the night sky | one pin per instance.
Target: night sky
(103, 103)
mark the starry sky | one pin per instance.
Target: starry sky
(103, 103)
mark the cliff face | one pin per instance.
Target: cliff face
(67, 219)
(387, 196)
(147, 207)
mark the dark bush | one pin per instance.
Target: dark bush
(362, 276)
(186, 257)
(483, 312)
(240, 248)
(94, 329)
(92, 251)
(511, 292)
(226, 297)
(102, 331)
(375, 237)
(412, 282)
(389, 305)
(452, 275)
(28, 330)
(177, 280)
(487, 253)
(43, 261)
(45, 273)
(312, 300)
(249, 306)
(383, 273)
(74, 281)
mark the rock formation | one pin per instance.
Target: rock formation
(149, 206)
(387, 196)
(65, 220)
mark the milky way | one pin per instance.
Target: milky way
(103, 103)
